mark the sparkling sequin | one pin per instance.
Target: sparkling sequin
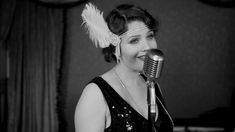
(128, 126)
(120, 115)
(128, 121)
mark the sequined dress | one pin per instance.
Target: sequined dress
(124, 118)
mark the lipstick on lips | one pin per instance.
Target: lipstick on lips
(141, 57)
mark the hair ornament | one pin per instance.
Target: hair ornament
(97, 28)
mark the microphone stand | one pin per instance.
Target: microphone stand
(151, 99)
(152, 68)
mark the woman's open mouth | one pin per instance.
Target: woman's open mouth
(142, 57)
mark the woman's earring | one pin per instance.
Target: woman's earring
(117, 52)
(118, 59)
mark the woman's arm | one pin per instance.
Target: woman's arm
(90, 110)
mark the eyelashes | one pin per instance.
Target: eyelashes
(151, 36)
(134, 41)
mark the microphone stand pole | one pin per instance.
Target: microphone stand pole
(151, 99)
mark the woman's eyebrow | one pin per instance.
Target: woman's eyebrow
(133, 36)
(137, 35)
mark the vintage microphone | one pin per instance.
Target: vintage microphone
(153, 64)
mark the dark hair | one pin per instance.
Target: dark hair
(118, 20)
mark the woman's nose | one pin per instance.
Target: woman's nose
(146, 45)
(149, 45)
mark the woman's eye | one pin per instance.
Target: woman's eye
(150, 36)
(134, 41)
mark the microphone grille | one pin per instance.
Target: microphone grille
(153, 64)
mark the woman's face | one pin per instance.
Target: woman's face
(134, 44)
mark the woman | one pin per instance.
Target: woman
(116, 100)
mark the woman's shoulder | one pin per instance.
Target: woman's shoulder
(92, 89)
(91, 108)
(90, 100)
(91, 92)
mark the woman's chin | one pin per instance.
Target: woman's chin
(141, 65)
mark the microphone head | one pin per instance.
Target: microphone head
(153, 64)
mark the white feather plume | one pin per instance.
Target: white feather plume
(96, 26)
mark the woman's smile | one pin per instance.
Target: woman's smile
(142, 57)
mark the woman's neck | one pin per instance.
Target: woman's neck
(127, 75)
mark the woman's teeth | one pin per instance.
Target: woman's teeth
(141, 58)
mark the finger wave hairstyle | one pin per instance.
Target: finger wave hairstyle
(118, 19)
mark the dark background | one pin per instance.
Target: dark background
(198, 42)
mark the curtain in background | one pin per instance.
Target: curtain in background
(7, 8)
(34, 43)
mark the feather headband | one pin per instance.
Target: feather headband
(97, 28)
